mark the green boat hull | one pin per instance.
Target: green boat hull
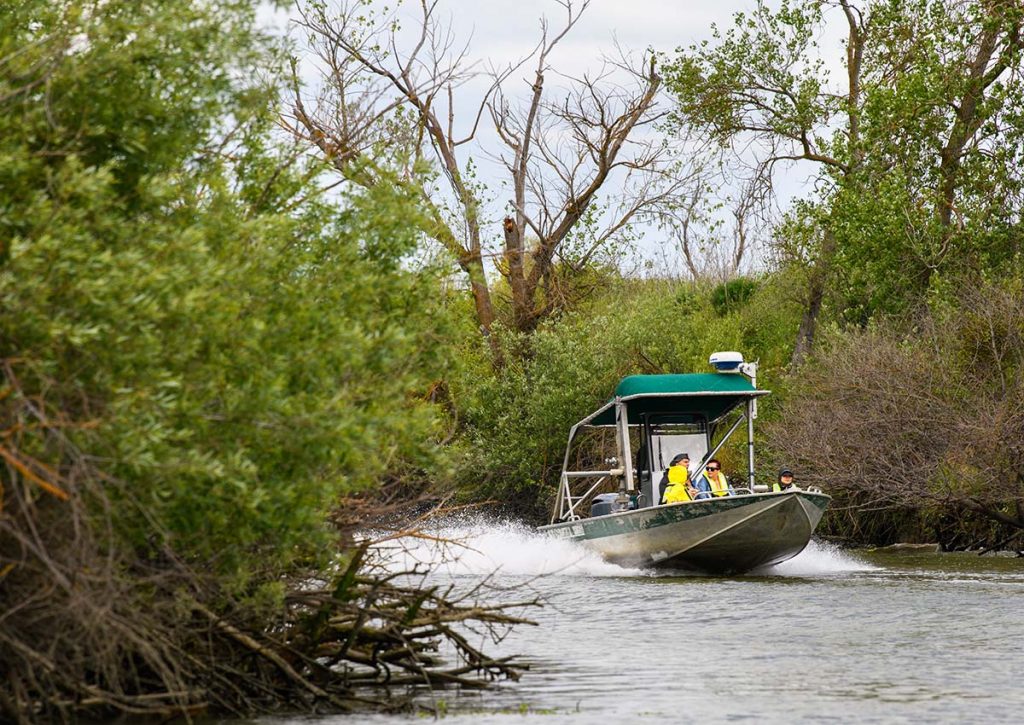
(729, 535)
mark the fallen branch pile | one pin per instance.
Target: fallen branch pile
(91, 628)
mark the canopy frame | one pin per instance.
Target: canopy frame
(567, 504)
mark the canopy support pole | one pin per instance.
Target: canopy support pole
(714, 451)
(750, 444)
(624, 448)
(563, 482)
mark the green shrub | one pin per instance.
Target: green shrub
(732, 295)
(236, 360)
(516, 421)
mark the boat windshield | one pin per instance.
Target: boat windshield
(668, 438)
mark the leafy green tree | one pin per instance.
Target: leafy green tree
(242, 350)
(916, 152)
(202, 349)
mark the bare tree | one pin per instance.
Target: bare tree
(936, 422)
(716, 235)
(689, 216)
(383, 95)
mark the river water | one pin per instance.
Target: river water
(846, 636)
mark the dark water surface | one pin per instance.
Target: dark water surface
(882, 636)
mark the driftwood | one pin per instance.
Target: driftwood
(91, 628)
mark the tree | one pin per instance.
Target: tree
(717, 236)
(183, 288)
(558, 153)
(200, 354)
(916, 154)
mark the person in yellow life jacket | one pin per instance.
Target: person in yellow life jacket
(712, 481)
(785, 482)
(676, 483)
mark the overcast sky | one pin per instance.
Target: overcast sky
(506, 29)
(502, 31)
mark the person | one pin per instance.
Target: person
(664, 476)
(676, 483)
(712, 481)
(785, 482)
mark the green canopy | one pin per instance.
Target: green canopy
(708, 394)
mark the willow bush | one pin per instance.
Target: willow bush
(238, 358)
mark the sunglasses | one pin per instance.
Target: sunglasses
(712, 468)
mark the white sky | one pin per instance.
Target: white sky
(503, 29)
(506, 29)
(499, 31)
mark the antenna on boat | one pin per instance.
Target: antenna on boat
(727, 362)
(731, 362)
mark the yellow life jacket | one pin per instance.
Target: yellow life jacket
(777, 487)
(719, 484)
(678, 483)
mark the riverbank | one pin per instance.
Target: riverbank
(935, 548)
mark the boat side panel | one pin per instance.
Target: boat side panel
(777, 534)
(725, 535)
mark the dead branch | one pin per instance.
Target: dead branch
(937, 422)
(90, 626)
(392, 95)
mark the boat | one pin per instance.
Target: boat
(615, 510)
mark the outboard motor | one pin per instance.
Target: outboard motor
(603, 504)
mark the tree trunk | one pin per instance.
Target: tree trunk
(472, 265)
(855, 45)
(521, 307)
(815, 296)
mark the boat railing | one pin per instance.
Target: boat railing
(568, 503)
(733, 491)
(570, 507)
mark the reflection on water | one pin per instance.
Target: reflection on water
(885, 636)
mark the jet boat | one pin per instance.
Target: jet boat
(616, 510)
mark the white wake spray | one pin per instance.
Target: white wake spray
(475, 547)
(819, 559)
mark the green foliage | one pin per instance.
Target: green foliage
(765, 49)
(516, 422)
(918, 149)
(733, 294)
(242, 360)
